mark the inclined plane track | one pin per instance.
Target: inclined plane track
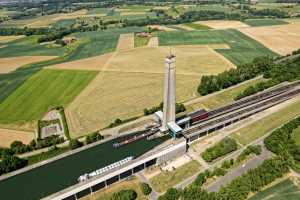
(243, 108)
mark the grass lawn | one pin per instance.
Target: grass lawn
(225, 97)
(264, 22)
(259, 128)
(166, 180)
(43, 90)
(197, 26)
(47, 155)
(285, 190)
(106, 194)
(243, 49)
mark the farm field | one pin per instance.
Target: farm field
(197, 26)
(123, 85)
(222, 24)
(123, 95)
(286, 189)
(11, 64)
(242, 49)
(282, 39)
(192, 60)
(259, 128)
(97, 43)
(126, 41)
(42, 91)
(43, 21)
(28, 46)
(162, 28)
(93, 63)
(8, 136)
(264, 22)
(5, 39)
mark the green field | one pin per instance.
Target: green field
(28, 46)
(242, 48)
(197, 26)
(45, 89)
(264, 22)
(64, 23)
(285, 190)
(263, 126)
(97, 43)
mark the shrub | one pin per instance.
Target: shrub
(74, 144)
(124, 195)
(93, 137)
(146, 189)
(18, 147)
(249, 150)
(222, 148)
(171, 194)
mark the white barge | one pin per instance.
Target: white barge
(85, 177)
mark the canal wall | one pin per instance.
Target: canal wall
(157, 156)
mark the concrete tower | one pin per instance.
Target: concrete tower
(169, 92)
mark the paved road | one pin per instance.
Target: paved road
(154, 195)
(265, 154)
(250, 164)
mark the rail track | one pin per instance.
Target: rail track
(247, 109)
(249, 101)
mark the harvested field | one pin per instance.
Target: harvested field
(4, 39)
(191, 60)
(162, 28)
(11, 64)
(153, 42)
(282, 39)
(222, 24)
(8, 136)
(121, 95)
(126, 41)
(94, 63)
(133, 80)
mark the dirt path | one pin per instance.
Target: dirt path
(126, 41)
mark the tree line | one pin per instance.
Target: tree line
(286, 70)
(179, 108)
(239, 188)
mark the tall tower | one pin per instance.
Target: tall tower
(169, 91)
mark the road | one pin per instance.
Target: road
(252, 163)
(238, 171)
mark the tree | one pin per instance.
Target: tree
(93, 137)
(146, 189)
(124, 195)
(171, 194)
(75, 143)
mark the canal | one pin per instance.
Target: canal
(60, 174)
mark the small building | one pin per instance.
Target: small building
(174, 128)
(69, 40)
(159, 115)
